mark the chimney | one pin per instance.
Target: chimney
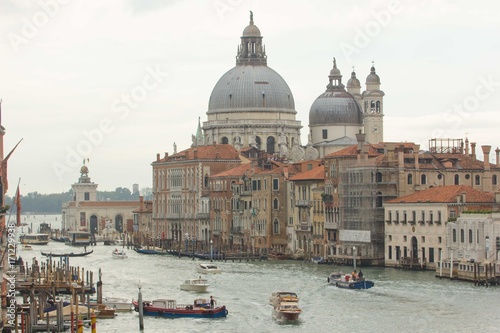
(141, 202)
(361, 139)
(166, 156)
(466, 147)
(195, 154)
(473, 148)
(497, 151)
(285, 172)
(486, 153)
(417, 166)
(158, 157)
(401, 155)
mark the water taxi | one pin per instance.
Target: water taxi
(119, 254)
(208, 269)
(34, 239)
(199, 285)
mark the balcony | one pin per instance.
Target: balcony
(203, 215)
(237, 230)
(216, 232)
(388, 221)
(331, 225)
(303, 203)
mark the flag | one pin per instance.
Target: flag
(17, 202)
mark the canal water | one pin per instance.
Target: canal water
(401, 301)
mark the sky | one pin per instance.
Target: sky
(117, 82)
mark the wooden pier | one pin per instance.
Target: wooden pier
(481, 274)
(39, 283)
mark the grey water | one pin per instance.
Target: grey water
(400, 301)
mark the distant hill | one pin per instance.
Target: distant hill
(52, 203)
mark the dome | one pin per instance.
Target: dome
(372, 78)
(251, 31)
(353, 81)
(251, 88)
(335, 107)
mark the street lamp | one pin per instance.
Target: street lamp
(354, 256)
(141, 309)
(211, 251)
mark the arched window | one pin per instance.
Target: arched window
(494, 180)
(470, 236)
(457, 180)
(276, 204)
(478, 180)
(423, 179)
(379, 177)
(224, 140)
(377, 108)
(258, 141)
(205, 180)
(454, 235)
(276, 226)
(372, 106)
(270, 145)
(379, 200)
(462, 236)
(410, 179)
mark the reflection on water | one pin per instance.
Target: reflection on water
(400, 301)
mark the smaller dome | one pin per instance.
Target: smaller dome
(353, 81)
(84, 169)
(251, 31)
(335, 72)
(372, 78)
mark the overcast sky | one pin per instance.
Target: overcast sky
(119, 81)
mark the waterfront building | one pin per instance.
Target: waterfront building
(99, 217)
(416, 224)
(309, 213)
(181, 192)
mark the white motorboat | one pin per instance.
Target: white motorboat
(119, 304)
(119, 254)
(199, 285)
(287, 311)
(282, 296)
(208, 269)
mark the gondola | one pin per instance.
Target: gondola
(72, 254)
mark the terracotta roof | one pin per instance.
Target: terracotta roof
(238, 171)
(317, 173)
(210, 152)
(446, 194)
(352, 151)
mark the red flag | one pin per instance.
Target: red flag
(17, 202)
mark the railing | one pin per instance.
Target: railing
(331, 225)
(237, 230)
(303, 203)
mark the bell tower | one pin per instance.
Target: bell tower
(373, 108)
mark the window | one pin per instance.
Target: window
(276, 184)
(431, 254)
(453, 213)
(423, 239)
(405, 239)
(390, 238)
(390, 216)
(457, 180)
(431, 216)
(462, 236)
(276, 227)
(405, 219)
(423, 179)
(454, 235)
(410, 179)
(390, 252)
(325, 134)
(478, 180)
(470, 236)
(276, 204)
(494, 180)
(256, 184)
(440, 239)
(87, 196)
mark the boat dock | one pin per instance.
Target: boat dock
(482, 274)
(39, 283)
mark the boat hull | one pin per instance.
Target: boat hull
(197, 288)
(286, 315)
(366, 284)
(119, 304)
(219, 312)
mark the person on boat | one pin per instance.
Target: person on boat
(212, 302)
(354, 275)
(360, 275)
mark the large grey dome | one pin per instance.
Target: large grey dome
(335, 107)
(251, 88)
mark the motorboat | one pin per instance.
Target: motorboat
(208, 269)
(119, 304)
(199, 285)
(169, 308)
(285, 305)
(27, 247)
(318, 260)
(117, 254)
(347, 282)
